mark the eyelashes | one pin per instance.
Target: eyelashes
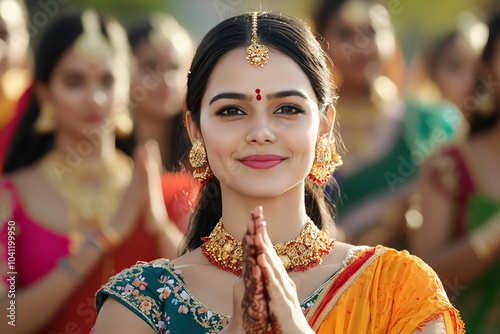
(284, 110)
(230, 111)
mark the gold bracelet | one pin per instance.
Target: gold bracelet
(485, 239)
(63, 263)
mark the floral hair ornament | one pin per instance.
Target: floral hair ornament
(258, 54)
(92, 44)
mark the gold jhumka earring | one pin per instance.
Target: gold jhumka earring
(123, 122)
(198, 159)
(258, 54)
(326, 160)
(46, 120)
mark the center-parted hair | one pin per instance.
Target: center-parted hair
(280, 33)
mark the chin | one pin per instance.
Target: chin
(261, 188)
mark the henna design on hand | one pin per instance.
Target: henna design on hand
(254, 303)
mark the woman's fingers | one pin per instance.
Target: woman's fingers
(274, 270)
(254, 303)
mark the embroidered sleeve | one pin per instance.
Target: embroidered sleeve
(141, 289)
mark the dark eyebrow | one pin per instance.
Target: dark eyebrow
(230, 95)
(286, 93)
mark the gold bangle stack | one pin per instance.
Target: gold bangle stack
(486, 239)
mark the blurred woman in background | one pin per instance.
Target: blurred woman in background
(73, 200)
(15, 72)
(447, 69)
(162, 51)
(460, 194)
(386, 136)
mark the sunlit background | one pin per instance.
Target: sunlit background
(416, 21)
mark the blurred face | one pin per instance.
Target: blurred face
(455, 73)
(495, 70)
(259, 125)
(4, 46)
(82, 93)
(157, 86)
(353, 49)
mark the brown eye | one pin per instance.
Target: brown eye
(73, 81)
(230, 111)
(107, 81)
(289, 110)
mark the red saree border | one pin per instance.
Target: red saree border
(337, 287)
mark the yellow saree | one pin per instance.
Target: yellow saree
(383, 291)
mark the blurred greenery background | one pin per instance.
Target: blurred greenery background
(416, 21)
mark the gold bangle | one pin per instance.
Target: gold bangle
(63, 263)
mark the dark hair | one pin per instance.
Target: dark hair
(138, 32)
(438, 50)
(279, 32)
(27, 146)
(480, 120)
(324, 13)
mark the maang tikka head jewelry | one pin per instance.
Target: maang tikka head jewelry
(258, 54)
(326, 160)
(92, 44)
(199, 161)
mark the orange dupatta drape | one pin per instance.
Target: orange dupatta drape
(383, 291)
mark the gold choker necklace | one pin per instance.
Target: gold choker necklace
(307, 250)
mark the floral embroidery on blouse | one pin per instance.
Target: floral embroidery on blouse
(156, 292)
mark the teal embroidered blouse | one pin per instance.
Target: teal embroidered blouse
(156, 292)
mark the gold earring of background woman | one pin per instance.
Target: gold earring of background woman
(46, 120)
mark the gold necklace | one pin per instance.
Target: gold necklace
(90, 189)
(307, 250)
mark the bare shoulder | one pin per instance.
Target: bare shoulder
(116, 318)
(25, 179)
(194, 257)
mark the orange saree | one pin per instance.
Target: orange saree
(383, 291)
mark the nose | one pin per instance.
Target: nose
(99, 97)
(261, 130)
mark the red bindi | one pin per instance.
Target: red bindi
(258, 95)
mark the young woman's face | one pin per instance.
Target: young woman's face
(455, 73)
(158, 83)
(82, 92)
(259, 125)
(353, 49)
(495, 70)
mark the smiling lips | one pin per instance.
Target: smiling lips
(262, 161)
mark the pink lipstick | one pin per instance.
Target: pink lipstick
(262, 161)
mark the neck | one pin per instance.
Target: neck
(96, 145)
(285, 219)
(157, 128)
